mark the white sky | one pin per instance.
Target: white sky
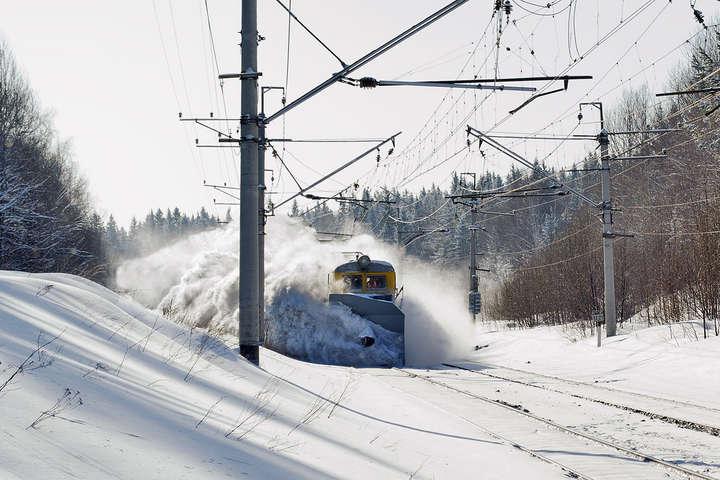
(100, 67)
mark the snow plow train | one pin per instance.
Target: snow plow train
(369, 288)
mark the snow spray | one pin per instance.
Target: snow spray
(196, 282)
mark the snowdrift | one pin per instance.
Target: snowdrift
(96, 386)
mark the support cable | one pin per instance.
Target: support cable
(291, 14)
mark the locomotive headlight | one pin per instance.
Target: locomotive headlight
(364, 262)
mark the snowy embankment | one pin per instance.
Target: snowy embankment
(670, 361)
(96, 386)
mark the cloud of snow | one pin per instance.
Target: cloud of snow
(197, 280)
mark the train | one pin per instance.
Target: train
(369, 289)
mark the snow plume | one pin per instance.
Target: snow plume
(196, 280)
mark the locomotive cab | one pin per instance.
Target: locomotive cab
(368, 287)
(373, 279)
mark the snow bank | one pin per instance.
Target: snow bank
(122, 393)
(196, 280)
(672, 361)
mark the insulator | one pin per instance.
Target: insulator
(508, 9)
(367, 82)
(211, 114)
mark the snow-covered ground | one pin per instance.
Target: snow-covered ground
(124, 393)
(111, 397)
(672, 361)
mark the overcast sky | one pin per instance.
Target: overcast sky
(116, 74)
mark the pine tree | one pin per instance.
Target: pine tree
(295, 210)
(112, 234)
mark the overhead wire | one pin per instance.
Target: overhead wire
(559, 262)
(567, 113)
(221, 84)
(677, 145)
(286, 85)
(193, 154)
(630, 17)
(605, 37)
(418, 220)
(597, 83)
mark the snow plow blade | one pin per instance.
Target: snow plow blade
(382, 312)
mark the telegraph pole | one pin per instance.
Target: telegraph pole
(249, 298)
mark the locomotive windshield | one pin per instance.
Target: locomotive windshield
(352, 283)
(376, 282)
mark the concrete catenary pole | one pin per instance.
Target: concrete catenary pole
(473, 262)
(3, 186)
(249, 328)
(473, 292)
(607, 236)
(262, 220)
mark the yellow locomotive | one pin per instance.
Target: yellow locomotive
(369, 288)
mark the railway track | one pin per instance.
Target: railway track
(598, 386)
(680, 422)
(588, 441)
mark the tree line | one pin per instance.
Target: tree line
(432, 226)
(668, 270)
(47, 221)
(158, 229)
